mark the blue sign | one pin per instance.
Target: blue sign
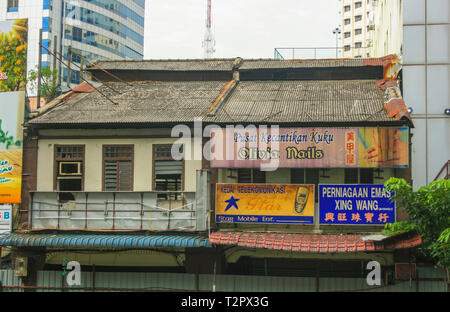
(361, 204)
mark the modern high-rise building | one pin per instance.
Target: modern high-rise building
(93, 29)
(357, 28)
(418, 31)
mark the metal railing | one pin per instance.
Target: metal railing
(321, 53)
(154, 210)
(446, 170)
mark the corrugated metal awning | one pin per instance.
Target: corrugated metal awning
(317, 243)
(102, 241)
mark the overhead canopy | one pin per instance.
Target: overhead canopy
(102, 241)
(317, 243)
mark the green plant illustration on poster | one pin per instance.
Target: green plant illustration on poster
(13, 56)
(6, 139)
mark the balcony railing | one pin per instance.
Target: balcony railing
(319, 53)
(122, 211)
(444, 173)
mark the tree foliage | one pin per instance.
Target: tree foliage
(49, 88)
(428, 210)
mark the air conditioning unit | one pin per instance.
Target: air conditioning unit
(21, 265)
(69, 168)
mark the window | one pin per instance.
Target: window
(358, 18)
(347, 48)
(118, 167)
(358, 31)
(358, 44)
(13, 5)
(251, 176)
(69, 167)
(347, 34)
(366, 176)
(47, 5)
(351, 176)
(168, 173)
(358, 4)
(306, 176)
(298, 176)
(361, 176)
(347, 8)
(347, 21)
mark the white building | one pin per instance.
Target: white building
(357, 28)
(418, 31)
(426, 70)
(94, 29)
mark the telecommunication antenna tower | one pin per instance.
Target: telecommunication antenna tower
(209, 42)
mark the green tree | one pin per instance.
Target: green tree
(49, 88)
(428, 210)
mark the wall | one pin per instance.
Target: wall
(426, 68)
(143, 148)
(232, 283)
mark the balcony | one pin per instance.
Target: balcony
(122, 211)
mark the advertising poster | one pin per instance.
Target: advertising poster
(5, 219)
(13, 65)
(265, 203)
(367, 147)
(355, 205)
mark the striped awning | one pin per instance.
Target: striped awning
(102, 241)
(317, 243)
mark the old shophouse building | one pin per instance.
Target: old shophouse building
(102, 186)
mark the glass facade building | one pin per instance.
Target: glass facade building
(93, 29)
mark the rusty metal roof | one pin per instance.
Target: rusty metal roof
(303, 101)
(316, 101)
(143, 102)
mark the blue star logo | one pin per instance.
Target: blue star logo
(232, 202)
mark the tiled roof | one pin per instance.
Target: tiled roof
(315, 243)
(141, 102)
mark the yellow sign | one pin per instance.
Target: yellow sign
(265, 203)
(10, 176)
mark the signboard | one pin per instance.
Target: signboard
(265, 203)
(253, 147)
(13, 54)
(13, 69)
(355, 205)
(5, 219)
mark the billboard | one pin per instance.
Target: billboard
(265, 203)
(360, 204)
(13, 55)
(13, 69)
(366, 147)
(5, 219)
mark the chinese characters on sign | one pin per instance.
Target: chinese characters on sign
(355, 204)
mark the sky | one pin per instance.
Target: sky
(174, 29)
